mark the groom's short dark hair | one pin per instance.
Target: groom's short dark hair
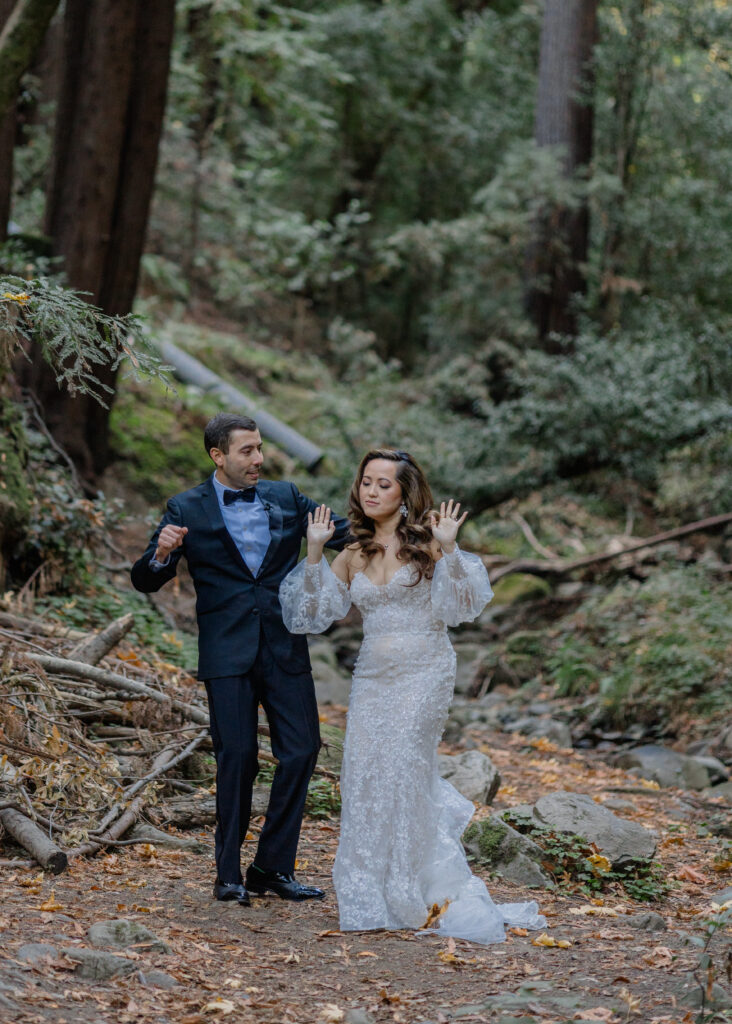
(222, 426)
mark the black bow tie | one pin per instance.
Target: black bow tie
(246, 495)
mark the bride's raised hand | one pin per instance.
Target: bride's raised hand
(320, 529)
(445, 526)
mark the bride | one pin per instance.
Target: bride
(400, 852)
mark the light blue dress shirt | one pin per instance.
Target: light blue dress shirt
(248, 525)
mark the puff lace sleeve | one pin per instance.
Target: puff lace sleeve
(312, 597)
(460, 587)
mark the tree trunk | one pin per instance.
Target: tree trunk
(564, 118)
(23, 31)
(108, 126)
(7, 142)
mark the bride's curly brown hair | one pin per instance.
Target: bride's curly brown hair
(413, 531)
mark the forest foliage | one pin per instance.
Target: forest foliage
(346, 192)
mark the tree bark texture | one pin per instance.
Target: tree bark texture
(564, 119)
(34, 840)
(24, 27)
(108, 127)
(7, 140)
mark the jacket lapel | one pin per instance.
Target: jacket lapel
(213, 511)
(274, 513)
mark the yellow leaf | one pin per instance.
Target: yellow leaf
(600, 865)
(550, 942)
(301, 865)
(51, 904)
(519, 931)
(649, 783)
(233, 982)
(435, 913)
(367, 952)
(145, 850)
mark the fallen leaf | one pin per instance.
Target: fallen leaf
(659, 956)
(687, 873)
(331, 1013)
(436, 911)
(588, 908)
(519, 931)
(596, 1013)
(550, 942)
(367, 952)
(51, 905)
(221, 1006)
(632, 1002)
(600, 865)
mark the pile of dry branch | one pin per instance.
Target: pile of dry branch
(89, 733)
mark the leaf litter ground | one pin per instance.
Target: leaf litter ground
(283, 962)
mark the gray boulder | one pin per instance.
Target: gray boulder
(122, 934)
(722, 897)
(724, 789)
(472, 773)
(692, 994)
(94, 965)
(647, 921)
(469, 665)
(664, 766)
(515, 857)
(35, 952)
(576, 813)
(718, 772)
(157, 979)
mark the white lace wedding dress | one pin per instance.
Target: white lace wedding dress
(400, 850)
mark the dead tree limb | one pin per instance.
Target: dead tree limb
(165, 760)
(93, 648)
(78, 670)
(31, 838)
(190, 370)
(563, 567)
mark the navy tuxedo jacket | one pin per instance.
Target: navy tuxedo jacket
(231, 603)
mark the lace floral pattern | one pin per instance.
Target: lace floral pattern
(400, 850)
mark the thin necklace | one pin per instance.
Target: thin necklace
(387, 546)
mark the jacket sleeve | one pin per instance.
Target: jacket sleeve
(147, 579)
(342, 534)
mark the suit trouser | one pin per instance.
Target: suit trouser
(292, 713)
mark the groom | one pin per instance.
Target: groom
(241, 536)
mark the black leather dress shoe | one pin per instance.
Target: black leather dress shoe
(227, 891)
(259, 882)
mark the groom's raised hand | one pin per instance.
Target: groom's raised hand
(171, 537)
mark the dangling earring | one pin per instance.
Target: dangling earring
(403, 509)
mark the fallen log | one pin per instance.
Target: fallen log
(130, 687)
(93, 648)
(190, 370)
(31, 838)
(546, 568)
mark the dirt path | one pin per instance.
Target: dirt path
(279, 962)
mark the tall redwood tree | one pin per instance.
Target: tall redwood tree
(108, 126)
(564, 118)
